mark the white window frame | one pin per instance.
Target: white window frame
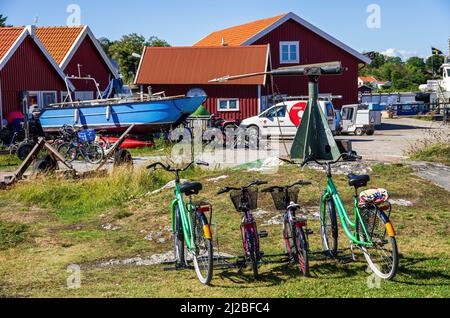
(228, 104)
(289, 43)
(41, 97)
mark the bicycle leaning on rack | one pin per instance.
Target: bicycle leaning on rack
(373, 232)
(244, 200)
(295, 231)
(190, 225)
(82, 144)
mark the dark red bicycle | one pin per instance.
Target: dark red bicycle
(295, 231)
(245, 199)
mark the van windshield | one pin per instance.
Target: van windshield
(276, 112)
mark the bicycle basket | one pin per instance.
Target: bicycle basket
(86, 135)
(236, 197)
(279, 201)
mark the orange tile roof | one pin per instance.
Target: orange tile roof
(8, 37)
(58, 40)
(198, 65)
(237, 35)
(368, 79)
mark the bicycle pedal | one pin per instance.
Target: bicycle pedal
(263, 234)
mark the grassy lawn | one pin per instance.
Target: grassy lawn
(439, 152)
(9, 162)
(46, 225)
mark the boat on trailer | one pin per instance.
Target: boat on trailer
(149, 113)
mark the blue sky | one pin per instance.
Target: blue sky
(408, 27)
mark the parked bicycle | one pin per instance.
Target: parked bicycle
(295, 231)
(190, 225)
(81, 145)
(245, 199)
(373, 232)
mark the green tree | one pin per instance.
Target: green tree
(123, 49)
(105, 43)
(3, 20)
(434, 64)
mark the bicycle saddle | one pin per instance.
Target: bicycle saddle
(358, 180)
(191, 188)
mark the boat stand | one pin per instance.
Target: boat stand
(32, 156)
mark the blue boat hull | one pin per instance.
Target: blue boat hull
(148, 116)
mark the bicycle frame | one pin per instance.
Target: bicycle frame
(184, 214)
(248, 222)
(347, 223)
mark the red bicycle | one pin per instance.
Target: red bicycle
(295, 231)
(244, 200)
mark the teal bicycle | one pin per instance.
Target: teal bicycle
(190, 225)
(370, 231)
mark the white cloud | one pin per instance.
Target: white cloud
(403, 54)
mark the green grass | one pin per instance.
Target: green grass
(439, 152)
(12, 234)
(9, 162)
(56, 236)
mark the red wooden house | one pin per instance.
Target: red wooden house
(77, 52)
(27, 71)
(176, 70)
(295, 41)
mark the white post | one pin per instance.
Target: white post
(259, 99)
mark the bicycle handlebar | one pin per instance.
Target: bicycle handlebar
(301, 183)
(254, 183)
(169, 168)
(347, 155)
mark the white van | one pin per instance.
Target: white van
(284, 119)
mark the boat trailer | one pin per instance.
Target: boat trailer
(49, 163)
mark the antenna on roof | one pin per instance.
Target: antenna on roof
(36, 20)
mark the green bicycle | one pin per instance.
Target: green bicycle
(373, 232)
(190, 225)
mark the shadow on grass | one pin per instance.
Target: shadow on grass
(426, 276)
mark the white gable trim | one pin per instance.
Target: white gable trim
(144, 50)
(13, 48)
(311, 27)
(28, 31)
(87, 32)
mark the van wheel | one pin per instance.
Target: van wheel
(370, 132)
(359, 132)
(253, 137)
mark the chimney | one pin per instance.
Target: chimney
(224, 43)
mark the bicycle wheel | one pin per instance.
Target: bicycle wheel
(382, 255)
(289, 239)
(301, 244)
(203, 256)
(178, 238)
(329, 229)
(250, 242)
(94, 153)
(68, 151)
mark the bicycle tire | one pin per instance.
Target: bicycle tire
(288, 238)
(201, 239)
(378, 238)
(178, 238)
(302, 250)
(94, 149)
(329, 229)
(66, 150)
(251, 250)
